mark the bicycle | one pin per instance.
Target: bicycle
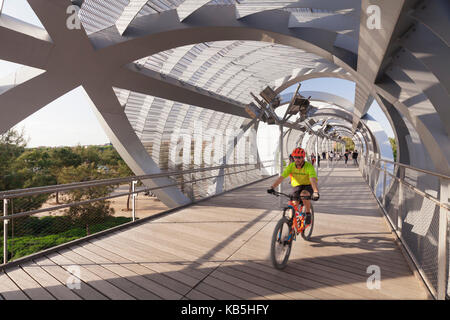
(288, 228)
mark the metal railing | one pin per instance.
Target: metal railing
(415, 202)
(85, 207)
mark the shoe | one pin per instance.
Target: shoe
(308, 218)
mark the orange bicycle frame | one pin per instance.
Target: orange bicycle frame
(295, 225)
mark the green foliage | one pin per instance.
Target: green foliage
(88, 154)
(26, 168)
(64, 157)
(35, 167)
(109, 156)
(394, 147)
(89, 213)
(12, 145)
(349, 144)
(34, 226)
(123, 170)
(40, 234)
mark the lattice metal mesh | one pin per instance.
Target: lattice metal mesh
(379, 186)
(418, 216)
(374, 173)
(391, 206)
(212, 182)
(420, 230)
(448, 262)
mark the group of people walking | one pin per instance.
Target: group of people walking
(354, 156)
(336, 156)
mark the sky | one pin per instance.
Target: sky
(70, 120)
(345, 89)
(67, 121)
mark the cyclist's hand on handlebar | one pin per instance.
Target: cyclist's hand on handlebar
(271, 190)
(315, 196)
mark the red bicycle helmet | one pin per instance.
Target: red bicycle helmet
(298, 152)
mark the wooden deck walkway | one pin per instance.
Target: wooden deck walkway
(219, 249)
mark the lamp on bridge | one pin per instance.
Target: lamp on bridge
(270, 97)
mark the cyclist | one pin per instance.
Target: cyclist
(304, 180)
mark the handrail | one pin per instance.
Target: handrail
(398, 216)
(416, 190)
(96, 183)
(105, 182)
(440, 175)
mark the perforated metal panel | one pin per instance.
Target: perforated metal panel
(391, 206)
(420, 230)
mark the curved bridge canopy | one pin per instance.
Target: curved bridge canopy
(164, 80)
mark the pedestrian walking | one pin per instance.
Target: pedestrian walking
(355, 157)
(346, 157)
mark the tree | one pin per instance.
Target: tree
(14, 174)
(12, 145)
(88, 154)
(36, 165)
(124, 171)
(109, 156)
(63, 157)
(90, 213)
(349, 144)
(394, 147)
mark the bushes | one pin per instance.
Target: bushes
(38, 234)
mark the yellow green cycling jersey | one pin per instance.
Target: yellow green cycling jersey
(300, 176)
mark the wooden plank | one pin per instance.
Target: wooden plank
(183, 241)
(113, 273)
(290, 289)
(215, 292)
(159, 282)
(168, 244)
(197, 295)
(123, 271)
(28, 285)
(144, 269)
(62, 275)
(92, 279)
(351, 289)
(173, 271)
(328, 263)
(219, 249)
(56, 288)
(323, 278)
(9, 290)
(172, 295)
(211, 233)
(296, 282)
(232, 289)
(111, 256)
(139, 249)
(206, 237)
(354, 255)
(260, 292)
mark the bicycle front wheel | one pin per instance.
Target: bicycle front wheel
(281, 243)
(307, 232)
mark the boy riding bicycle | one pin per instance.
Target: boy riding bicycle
(303, 180)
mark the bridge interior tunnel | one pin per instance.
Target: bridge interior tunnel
(169, 83)
(182, 102)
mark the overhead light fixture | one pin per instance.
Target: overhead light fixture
(300, 105)
(270, 97)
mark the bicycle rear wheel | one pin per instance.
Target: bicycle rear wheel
(307, 232)
(280, 248)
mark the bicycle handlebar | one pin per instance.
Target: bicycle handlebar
(291, 197)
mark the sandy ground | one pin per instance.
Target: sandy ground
(145, 205)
